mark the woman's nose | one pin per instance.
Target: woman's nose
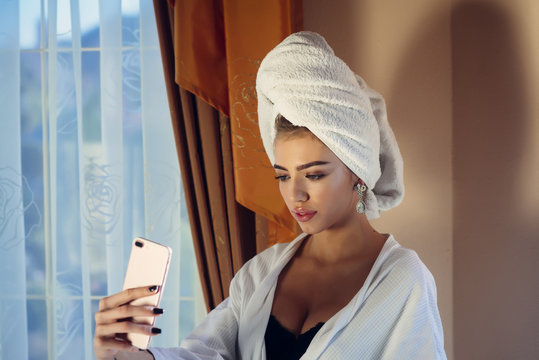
(299, 193)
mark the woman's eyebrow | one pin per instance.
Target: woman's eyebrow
(279, 167)
(304, 166)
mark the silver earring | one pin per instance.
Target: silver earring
(361, 206)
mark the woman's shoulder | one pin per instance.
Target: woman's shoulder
(403, 264)
(258, 267)
(263, 262)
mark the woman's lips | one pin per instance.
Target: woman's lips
(303, 215)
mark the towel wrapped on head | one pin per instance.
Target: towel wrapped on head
(303, 80)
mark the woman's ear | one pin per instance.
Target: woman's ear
(358, 183)
(356, 180)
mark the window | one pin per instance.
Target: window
(87, 162)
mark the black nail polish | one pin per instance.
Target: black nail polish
(157, 310)
(156, 330)
(153, 288)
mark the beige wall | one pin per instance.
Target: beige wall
(461, 83)
(496, 174)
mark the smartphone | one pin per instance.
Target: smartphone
(148, 265)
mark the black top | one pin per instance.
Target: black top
(281, 344)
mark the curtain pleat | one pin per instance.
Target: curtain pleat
(50, 194)
(241, 221)
(112, 139)
(85, 266)
(14, 339)
(211, 156)
(196, 170)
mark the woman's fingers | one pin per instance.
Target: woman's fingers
(106, 343)
(123, 327)
(126, 296)
(115, 319)
(125, 312)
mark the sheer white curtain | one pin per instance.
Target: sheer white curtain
(87, 162)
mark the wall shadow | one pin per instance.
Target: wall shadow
(495, 240)
(419, 105)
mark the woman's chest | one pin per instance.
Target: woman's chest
(307, 293)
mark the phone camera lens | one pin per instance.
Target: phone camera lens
(139, 243)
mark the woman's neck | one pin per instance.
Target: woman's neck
(354, 240)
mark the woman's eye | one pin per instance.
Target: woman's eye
(281, 177)
(315, 176)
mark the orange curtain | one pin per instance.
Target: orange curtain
(218, 46)
(222, 230)
(211, 51)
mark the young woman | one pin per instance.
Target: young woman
(341, 290)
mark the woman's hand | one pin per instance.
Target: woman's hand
(113, 322)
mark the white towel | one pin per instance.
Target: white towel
(303, 80)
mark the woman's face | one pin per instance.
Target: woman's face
(316, 186)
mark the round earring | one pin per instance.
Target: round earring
(361, 207)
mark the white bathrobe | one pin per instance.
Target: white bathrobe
(393, 316)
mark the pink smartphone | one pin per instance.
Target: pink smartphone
(148, 265)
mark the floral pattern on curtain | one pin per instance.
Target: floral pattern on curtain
(87, 162)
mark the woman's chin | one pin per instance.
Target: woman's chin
(309, 228)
